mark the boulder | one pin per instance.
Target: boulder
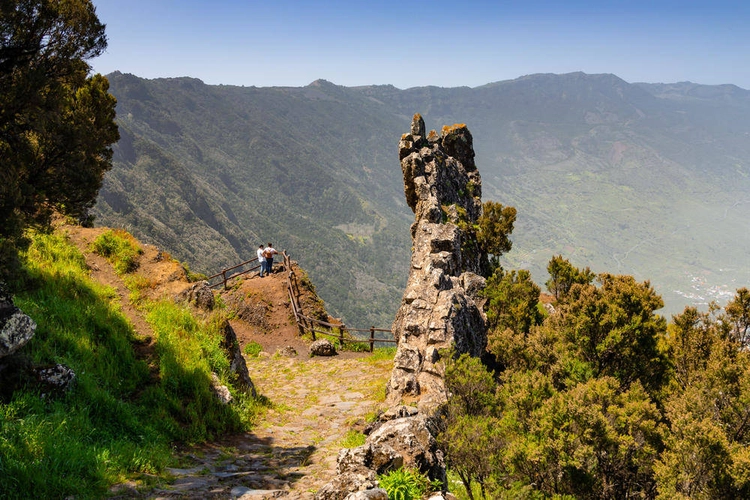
(380, 458)
(199, 295)
(288, 352)
(349, 482)
(55, 379)
(413, 439)
(322, 347)
(16, 328)
(220, 391)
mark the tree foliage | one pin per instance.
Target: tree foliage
(564, 275)
(708, 406)
(604, 399)
(56, 122)
(512, 301)
(494, 227)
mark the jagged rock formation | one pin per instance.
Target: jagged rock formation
(237, 363)
(439, 309)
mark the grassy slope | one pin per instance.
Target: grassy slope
(118, 422)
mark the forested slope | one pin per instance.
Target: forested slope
(642, 179)
(212, 172)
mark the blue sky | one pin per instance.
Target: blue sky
(407, 44)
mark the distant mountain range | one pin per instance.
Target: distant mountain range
(651, 180)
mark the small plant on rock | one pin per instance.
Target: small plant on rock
(406, 484)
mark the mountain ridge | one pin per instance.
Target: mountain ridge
(600, 170)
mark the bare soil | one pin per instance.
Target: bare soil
(315, 402)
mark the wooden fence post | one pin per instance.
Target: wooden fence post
(372, 338)
(224, 278)
(341, 335)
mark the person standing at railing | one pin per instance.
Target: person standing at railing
(268, 253)
(262, 261)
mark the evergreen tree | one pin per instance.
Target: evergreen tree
(564, 275)
(56, 122)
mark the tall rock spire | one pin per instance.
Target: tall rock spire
(440, 308)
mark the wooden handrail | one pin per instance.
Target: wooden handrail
(305, 323)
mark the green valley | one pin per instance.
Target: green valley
(640, 179)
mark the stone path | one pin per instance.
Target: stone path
(293, 449)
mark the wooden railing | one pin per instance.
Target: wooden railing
(314, 326)
(304, 323)
(223, 273)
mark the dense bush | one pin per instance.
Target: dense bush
(602, 399)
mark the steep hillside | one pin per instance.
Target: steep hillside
(642, 179)
(211, 172)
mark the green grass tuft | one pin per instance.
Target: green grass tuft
(120, 248)
(253, 349)
(352, 439)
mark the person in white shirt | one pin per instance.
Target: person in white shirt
(262, 260)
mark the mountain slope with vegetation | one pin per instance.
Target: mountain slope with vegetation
(649, 180)
(212, 172)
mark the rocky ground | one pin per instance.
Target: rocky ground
(315, 402)
(292, 451)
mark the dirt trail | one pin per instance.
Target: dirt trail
(316, 402)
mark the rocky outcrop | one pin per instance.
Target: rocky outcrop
(237, 364)
(199, 295)
(16, 328)
(402, 438)
(441, 311)
(440, 308)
